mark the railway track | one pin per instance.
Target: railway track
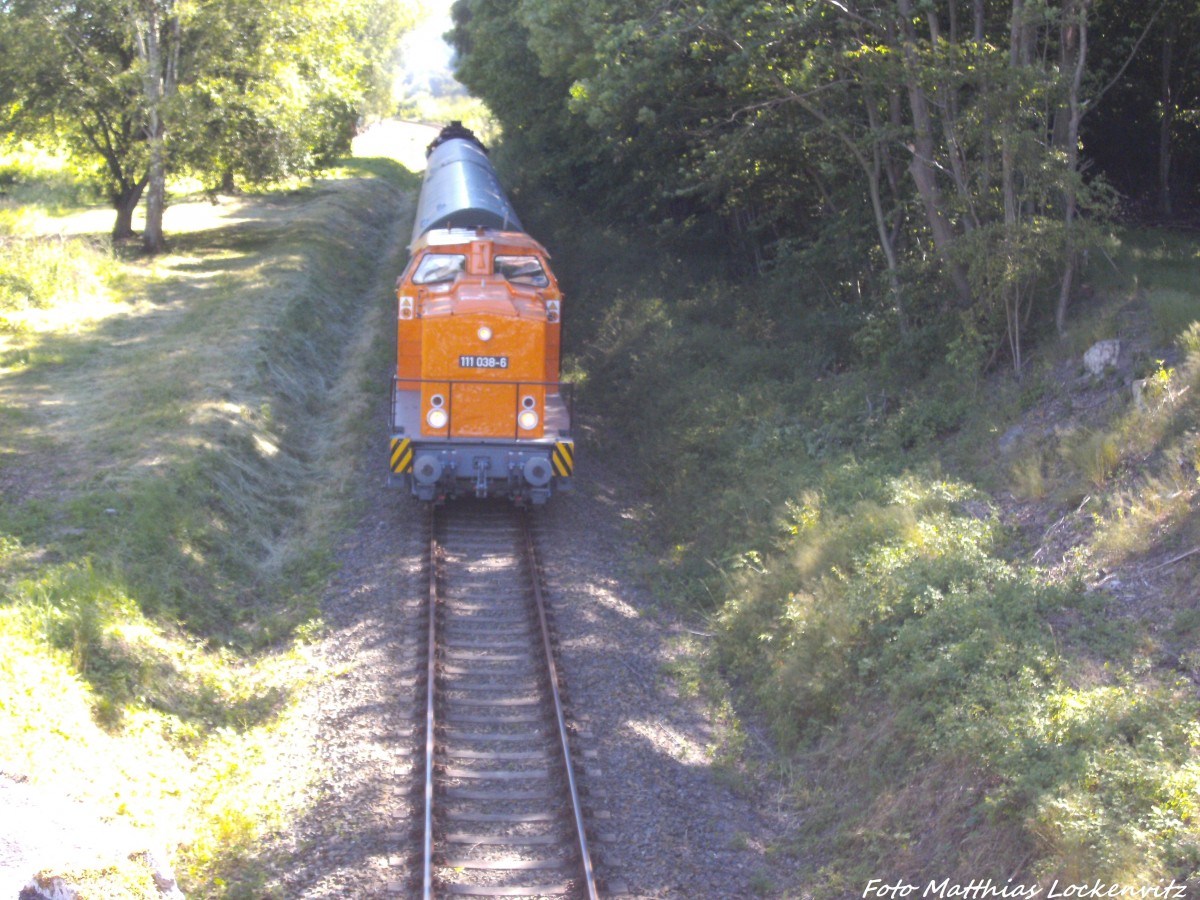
(503, 816)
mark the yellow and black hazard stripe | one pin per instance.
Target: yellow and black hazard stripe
(402, 455)
(563, 458)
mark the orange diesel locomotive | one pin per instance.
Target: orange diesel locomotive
(477, 407)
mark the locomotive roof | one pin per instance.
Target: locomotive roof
(446, 237)
(461, 189)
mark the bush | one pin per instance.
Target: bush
(872, 590)
(31, 176)
(905, 607)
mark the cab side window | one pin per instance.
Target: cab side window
(435, 267)
(522, 270)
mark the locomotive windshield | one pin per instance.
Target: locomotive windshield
(435, 267)
(522, 270)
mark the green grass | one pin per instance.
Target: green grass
(33, 176)
(176, 437)
(949, 698)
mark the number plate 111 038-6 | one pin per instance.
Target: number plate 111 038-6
(483, 362)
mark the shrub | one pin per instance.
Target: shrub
(905, 607)
(1111, 775)
(855, 581)
(1028, 476)
(1092, 454)
(30, 175)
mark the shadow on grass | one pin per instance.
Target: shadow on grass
(381, 167)
(172, 442)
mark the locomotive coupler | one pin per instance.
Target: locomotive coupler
(482, 465)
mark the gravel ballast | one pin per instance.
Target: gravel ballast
(671, 823)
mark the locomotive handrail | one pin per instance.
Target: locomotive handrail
(564, 389)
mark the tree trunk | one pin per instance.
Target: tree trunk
(873, 169)
(126, 204)
(159, 83)
(874, 173)
(1075, 115)
(922, 166)
(947, 102)
(156, 197)
(1165, 126)
(150, 53)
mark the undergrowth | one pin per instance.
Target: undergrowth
(846, 504)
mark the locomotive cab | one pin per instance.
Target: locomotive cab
(477, 406)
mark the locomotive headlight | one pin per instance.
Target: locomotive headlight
(437, 418)
(528, 419)
(485, 333)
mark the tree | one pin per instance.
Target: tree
(69, 77)
(276, 89)
(146, 86)
(935, 157)
(496, 62)
(1144, 134)
(952, 127)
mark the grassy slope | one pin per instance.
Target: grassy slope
(957, 601)
(174, 434)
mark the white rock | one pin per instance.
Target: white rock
(1102, 356)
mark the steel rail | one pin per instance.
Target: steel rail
(585, 858)
(430, 720)
(588, 880)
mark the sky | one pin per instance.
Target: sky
(424, 54)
